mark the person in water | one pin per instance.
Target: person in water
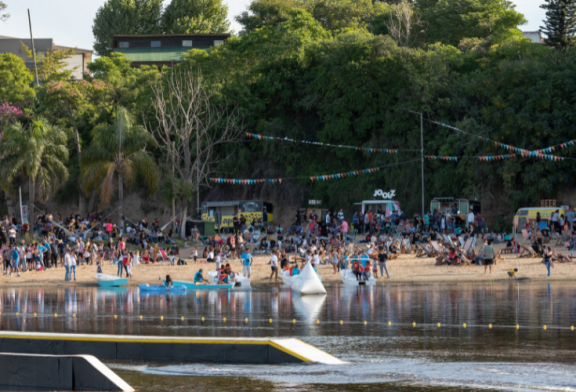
(198, 278)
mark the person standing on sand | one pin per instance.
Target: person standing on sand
(246, 262)
(274, 266)
(488, 256)
(382, 257)
(67, 265)
(548, 259)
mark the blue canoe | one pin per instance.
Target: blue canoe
(204, 286)
(161, 288)
(110, 281)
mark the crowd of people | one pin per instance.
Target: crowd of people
(74, 240)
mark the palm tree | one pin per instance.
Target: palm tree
(38, 152)
(118, 152)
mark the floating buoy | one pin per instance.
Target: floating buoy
(518, 326)
(115, 316)
(464, 325)
(413, 324)
(55, 314)
(572, 328)
(35, 316)
(389, 322)
(140, 317)
(161, 317)
(202, 318)
(74, 315)
(490, 326)
(270, 320)
(224, 319)
(182, 318)
(438, 325)
(544, 328)
(294, 321)
(317, 321)
(365, 322)
(341, 322)
(245, 320)
(17, 313)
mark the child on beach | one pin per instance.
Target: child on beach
(512, 273)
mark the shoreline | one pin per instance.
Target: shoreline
(405, 269)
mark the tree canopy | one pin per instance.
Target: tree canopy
(125, 17)
(560, 23)
(195, 16)
(15, 79)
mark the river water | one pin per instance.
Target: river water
(370, 328)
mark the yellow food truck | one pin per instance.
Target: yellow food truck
(222, 212)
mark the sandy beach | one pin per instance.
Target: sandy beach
(406, 268)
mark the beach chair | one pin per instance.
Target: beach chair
(527, 252)
(560, 239)
(461, 240)
(408, 245)
(422, 252)
(441, 255)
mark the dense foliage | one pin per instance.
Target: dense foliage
(329, 71)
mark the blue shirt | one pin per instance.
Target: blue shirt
(198, 277)
(15, 256)
(246, 259)
(364, 260)
(354, 219)
(295, 271)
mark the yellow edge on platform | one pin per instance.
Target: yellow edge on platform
(134, 340)
(287, 351)
(156, 341)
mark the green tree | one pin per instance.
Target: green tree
(15, 79)
(449, 22)
(195, 16)
(125, 17)
(560, 23)
(38, 153)
(51, 64)
(266, 13)
(3, 6)
(118, 153)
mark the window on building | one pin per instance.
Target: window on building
(123, 45)
(187, 43)
(155, 44)
(218, 42)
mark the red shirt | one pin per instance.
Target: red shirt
(368, 267)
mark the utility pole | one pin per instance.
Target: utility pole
(33, 49)
(197, 169)
(421, 151)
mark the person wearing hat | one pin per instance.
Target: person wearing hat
(199, 278)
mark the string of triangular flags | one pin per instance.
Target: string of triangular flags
(238, 181)
(561, 145)
(285, 139)
(525, 153)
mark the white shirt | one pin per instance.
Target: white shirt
(274, 261)
(69, 260)
(12, 233)
(471, 217)
(341, 215)
(328, 221)
(366, 218)
(316, 260)
(555, 217)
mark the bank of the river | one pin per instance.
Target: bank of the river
(407, 268)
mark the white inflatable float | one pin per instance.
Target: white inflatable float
(240, 280)
(349, 279)
(288, 279)
(308, 282)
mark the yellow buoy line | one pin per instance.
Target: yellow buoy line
(293, 321)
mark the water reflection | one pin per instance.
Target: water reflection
(527, 304)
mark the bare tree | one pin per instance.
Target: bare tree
(190, 128)
(403, 24)
(3, 16)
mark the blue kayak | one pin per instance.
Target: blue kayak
(160, 288)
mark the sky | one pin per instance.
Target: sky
(69, 22)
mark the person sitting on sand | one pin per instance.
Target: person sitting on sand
(367, 273)
(512, 273)
(199, 278)
(357, 269)
(452, 256)
(295, 271)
